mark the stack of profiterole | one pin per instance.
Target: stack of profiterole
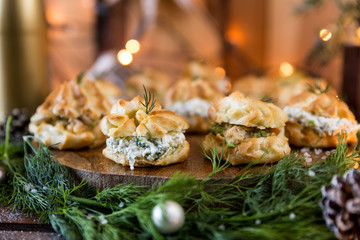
(247, 130)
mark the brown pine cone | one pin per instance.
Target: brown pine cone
(19, 125)
(341, 205)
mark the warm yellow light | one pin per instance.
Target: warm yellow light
(286, 69)
(132, 46)
(220, 71)
(89, 4)
(124, 57)
(325, 34)
(234, 36)
(358, 33)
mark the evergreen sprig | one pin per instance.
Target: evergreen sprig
(34, 186)
(278, 201)
(149, 99)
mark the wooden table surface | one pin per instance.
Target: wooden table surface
(15, 225)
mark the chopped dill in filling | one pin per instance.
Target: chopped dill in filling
(146, 147)
(241, 132)
(321, 124)
(75, 125)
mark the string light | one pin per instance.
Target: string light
(124, 57)
(325, 34)
(133, 46)
(286, 69)
(358, 33)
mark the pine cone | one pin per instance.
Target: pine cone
(19, 125)
(341, 205)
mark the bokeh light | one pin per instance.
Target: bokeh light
(132, 46)
(358, 33)
(286, 69)
(124, 57)
(325, 34)
(220, 71)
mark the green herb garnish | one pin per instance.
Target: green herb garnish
(149, 101)
(140, 142)
(230, 145)
(216, 158)
(261, 133)
(79, 77)
(311, 123)
(216, 128)
(93, 123)
(317, 87)
(268, 99)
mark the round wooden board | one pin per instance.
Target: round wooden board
(100, 172)
(91, 165)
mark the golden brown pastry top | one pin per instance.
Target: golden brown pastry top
(200, 69)
(73, 100)
(324, 104)
(154, 80)
(186, 89)
(292, 86)
(257, 87)
(108, 89)
(238, 109)
(129, 118)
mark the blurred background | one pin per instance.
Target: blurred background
(237, 37)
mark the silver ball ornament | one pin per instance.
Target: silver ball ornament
(168, 217)
(2, 174)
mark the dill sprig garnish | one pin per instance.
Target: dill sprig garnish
(216, 128)
(149, 100)
(216, 157)
(79, 77)
(316, 88)
(268, 99)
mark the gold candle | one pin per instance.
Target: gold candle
(23, 55)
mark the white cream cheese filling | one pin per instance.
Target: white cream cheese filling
(331, 126)
(195, 106)
(146, 147)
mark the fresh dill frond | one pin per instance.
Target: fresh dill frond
(76, 221)
(61, 225)
(79, 77)
(42, 169)
(34, 184)
(216, 157)
(316, 88)
(120, 196)
(216, 128)
(268, 99)
(150, 101)
(230, 145)
(342, 159)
